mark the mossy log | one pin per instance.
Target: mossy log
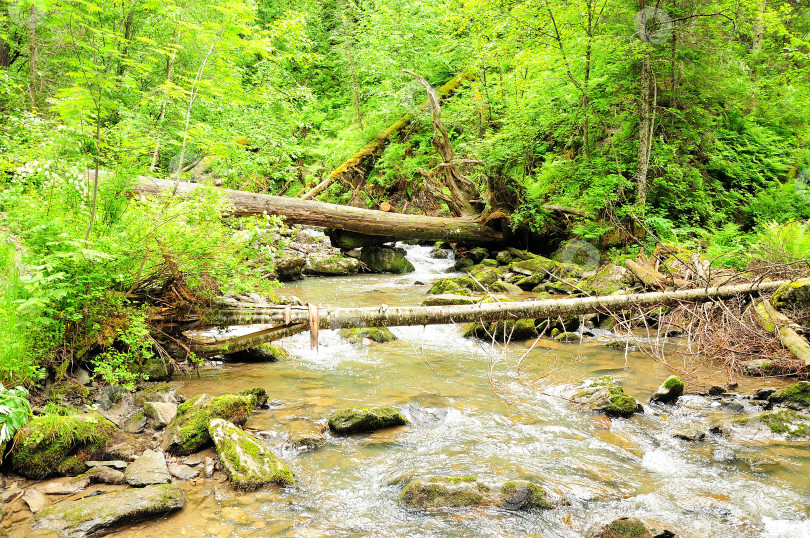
(364, 221)
(376, 146)
(337, 318)
(652, 278)
(772, 320)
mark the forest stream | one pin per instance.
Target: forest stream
(494, 413)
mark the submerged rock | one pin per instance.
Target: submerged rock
(188, 432)
(606, 397)
(781, 421)
(381, 335)
(625, 527)
(93, 514)
(248, 463)
(258, 392)
(365, 419)
(51, 444)
(456, 286)
(758, 463)
(669, 391)
(65, 486)
(386, 260)
(105, 475)
(446, 492)
(149, 469)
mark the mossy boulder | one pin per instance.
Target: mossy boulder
(477, 254)
(604, 396)
(335, 265)
(781, 421)
(625, 527)
(797, 394)
(258, 392)
(796, 297)
(350, 240)
(91, 515)
(458, 286)
(486, 275)
(159, 392)
(386, 260)
(447, 492)
(153, 369)
(539, 265)
(188, 431)
(53, 444)
(365, 419)
(248, 463)
(669, 391)
(449, 299)
(71, 393)
(260, 353)
(521, 329)
(381, 335)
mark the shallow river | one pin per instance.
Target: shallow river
(489, 412)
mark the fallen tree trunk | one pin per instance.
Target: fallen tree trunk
(774, 321)
(353, 219)
(336, 318)
(376, 146)
(652, 278)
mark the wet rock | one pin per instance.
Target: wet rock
(669, 391)
(443, 492)
(193, 460)
(365, 419)
(689, 433)
(154, 368)
(456, 286)
(462, 263)
(248, 463)
(715, 390)
(93, 514)
(307, 439)
(10, 494)
(604, 396)
(51, 445)
(782, 421)
(259, 393)
(758, 463)
(798, 394)
(105, 475)
(351, 240)
(183, 472)
(386, 260)
(794, 296)
(188, 432)
(35, 500)
(64, 486)
(759, 367)
(734, 406)
(290, 267)
(134, 424)
(568, 337)
(159, 392)
(209, 464)
(160, 413)
(262, 353)
(477, 254)
(499, 286)
(82, 376)
(543, 267)
(381, 335)
(334, 265)
(723, 455)
(150, 468)
(71, 393)
(762, 394)
(625, 527)
(521, 329)
(449, 299)
(523, 495)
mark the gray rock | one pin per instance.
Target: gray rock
(757, 463)
(605, 396)
(82, 376)
(135, 423)
(445, 492)
(64, 486)
(689, 433)
(147, 470)
(115, 464)
(35, 500)
(723, 455)
(93, 514)
(209, 464)
(193, 460)
(248, 463)
(105, 475)
(386, 260)
(365, 419)
(335, 265)
(183, 472)
(161, 413)
(669, 391)
(10, 494)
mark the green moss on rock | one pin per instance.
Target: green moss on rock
(797, 393)
(54, 444)
(188, 431)
(381, 335)
(258, 392)
(626, 528)
(71, 393)
(458, 286)
(443, 492)
(522, 494)
(782, 421)
(365, 419)
(606, 397)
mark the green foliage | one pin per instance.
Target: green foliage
(784, 243)
(114, 365)
(14, 411)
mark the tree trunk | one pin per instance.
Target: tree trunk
(32, 61)
(644, 130)
(462, 190)
(773, 321)
(337, 318)
(364, 221)
(375, 147)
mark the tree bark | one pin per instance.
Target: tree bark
(375, 147)
(364, 221)
(644, 131)
(774, 321)
(32, 61)
(336, 318)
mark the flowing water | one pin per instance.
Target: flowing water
(493, 412)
